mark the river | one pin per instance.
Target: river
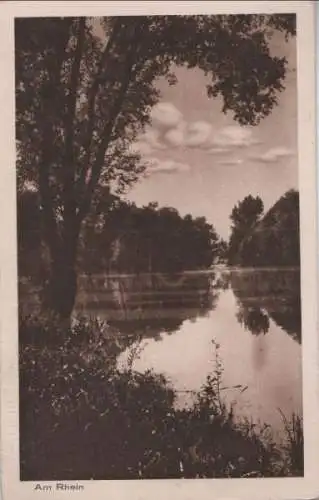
(252, 315)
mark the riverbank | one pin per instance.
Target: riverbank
(81, 418)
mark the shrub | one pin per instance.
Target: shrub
(83, 418)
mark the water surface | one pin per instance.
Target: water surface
(253, 315)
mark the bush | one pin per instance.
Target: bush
(83, 418)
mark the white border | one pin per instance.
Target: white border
(294, 488)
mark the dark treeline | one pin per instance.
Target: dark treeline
(128, 238)
(270, 239)
(121, 237)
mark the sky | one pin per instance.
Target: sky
(203, 162)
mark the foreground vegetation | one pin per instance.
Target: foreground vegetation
(81, 417)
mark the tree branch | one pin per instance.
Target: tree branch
(92, 98)
(69, 167)
(51, 233)
(108, 129)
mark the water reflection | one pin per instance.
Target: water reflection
(251, 315)
(268, 294)
(254, 320)
(254, 315)
(148, 305)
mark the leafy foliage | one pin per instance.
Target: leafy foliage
(126, 238)
(121, 237)
(244, 217)
(273, 240)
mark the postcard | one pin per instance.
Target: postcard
(159, 257)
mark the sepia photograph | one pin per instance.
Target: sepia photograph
(158, 247)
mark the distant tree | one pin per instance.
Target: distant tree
(151, 239)
(222, 250)
(81, 101)
(272, 240)
(244, 217)
(247, 212)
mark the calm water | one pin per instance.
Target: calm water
(253, 315)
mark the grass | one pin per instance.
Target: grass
(294, 445)
(83, 418)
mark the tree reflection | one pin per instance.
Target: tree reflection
(264, 295)
(221, 281)
(288, 317)
(254, 320)
(146, 306)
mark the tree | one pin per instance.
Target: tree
(29, 232)
(151, 239)
(271, 240)
(222, 253)
(81, 101)
(244, 217)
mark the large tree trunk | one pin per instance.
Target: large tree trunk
(62, 287)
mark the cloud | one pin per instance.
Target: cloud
(273, 155)
(201, 134)
(231, 162)
(148, 142)
(218, 150)
(170, 129)
(166, 166)
(193, 134)
(176, 136)
(152, 137)
(234, 136)
(166, 115)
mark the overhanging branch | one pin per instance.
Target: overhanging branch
(91, 101)
(129, 74)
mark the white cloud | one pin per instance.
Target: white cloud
(231, 162)
(234, 136)
(193, 134)
(217, 150)
(199, 134)
(148, 142)
(166, 115)
(166, 166)
(169, 128)
(176, 136)
(273, 155)
(152, 137)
